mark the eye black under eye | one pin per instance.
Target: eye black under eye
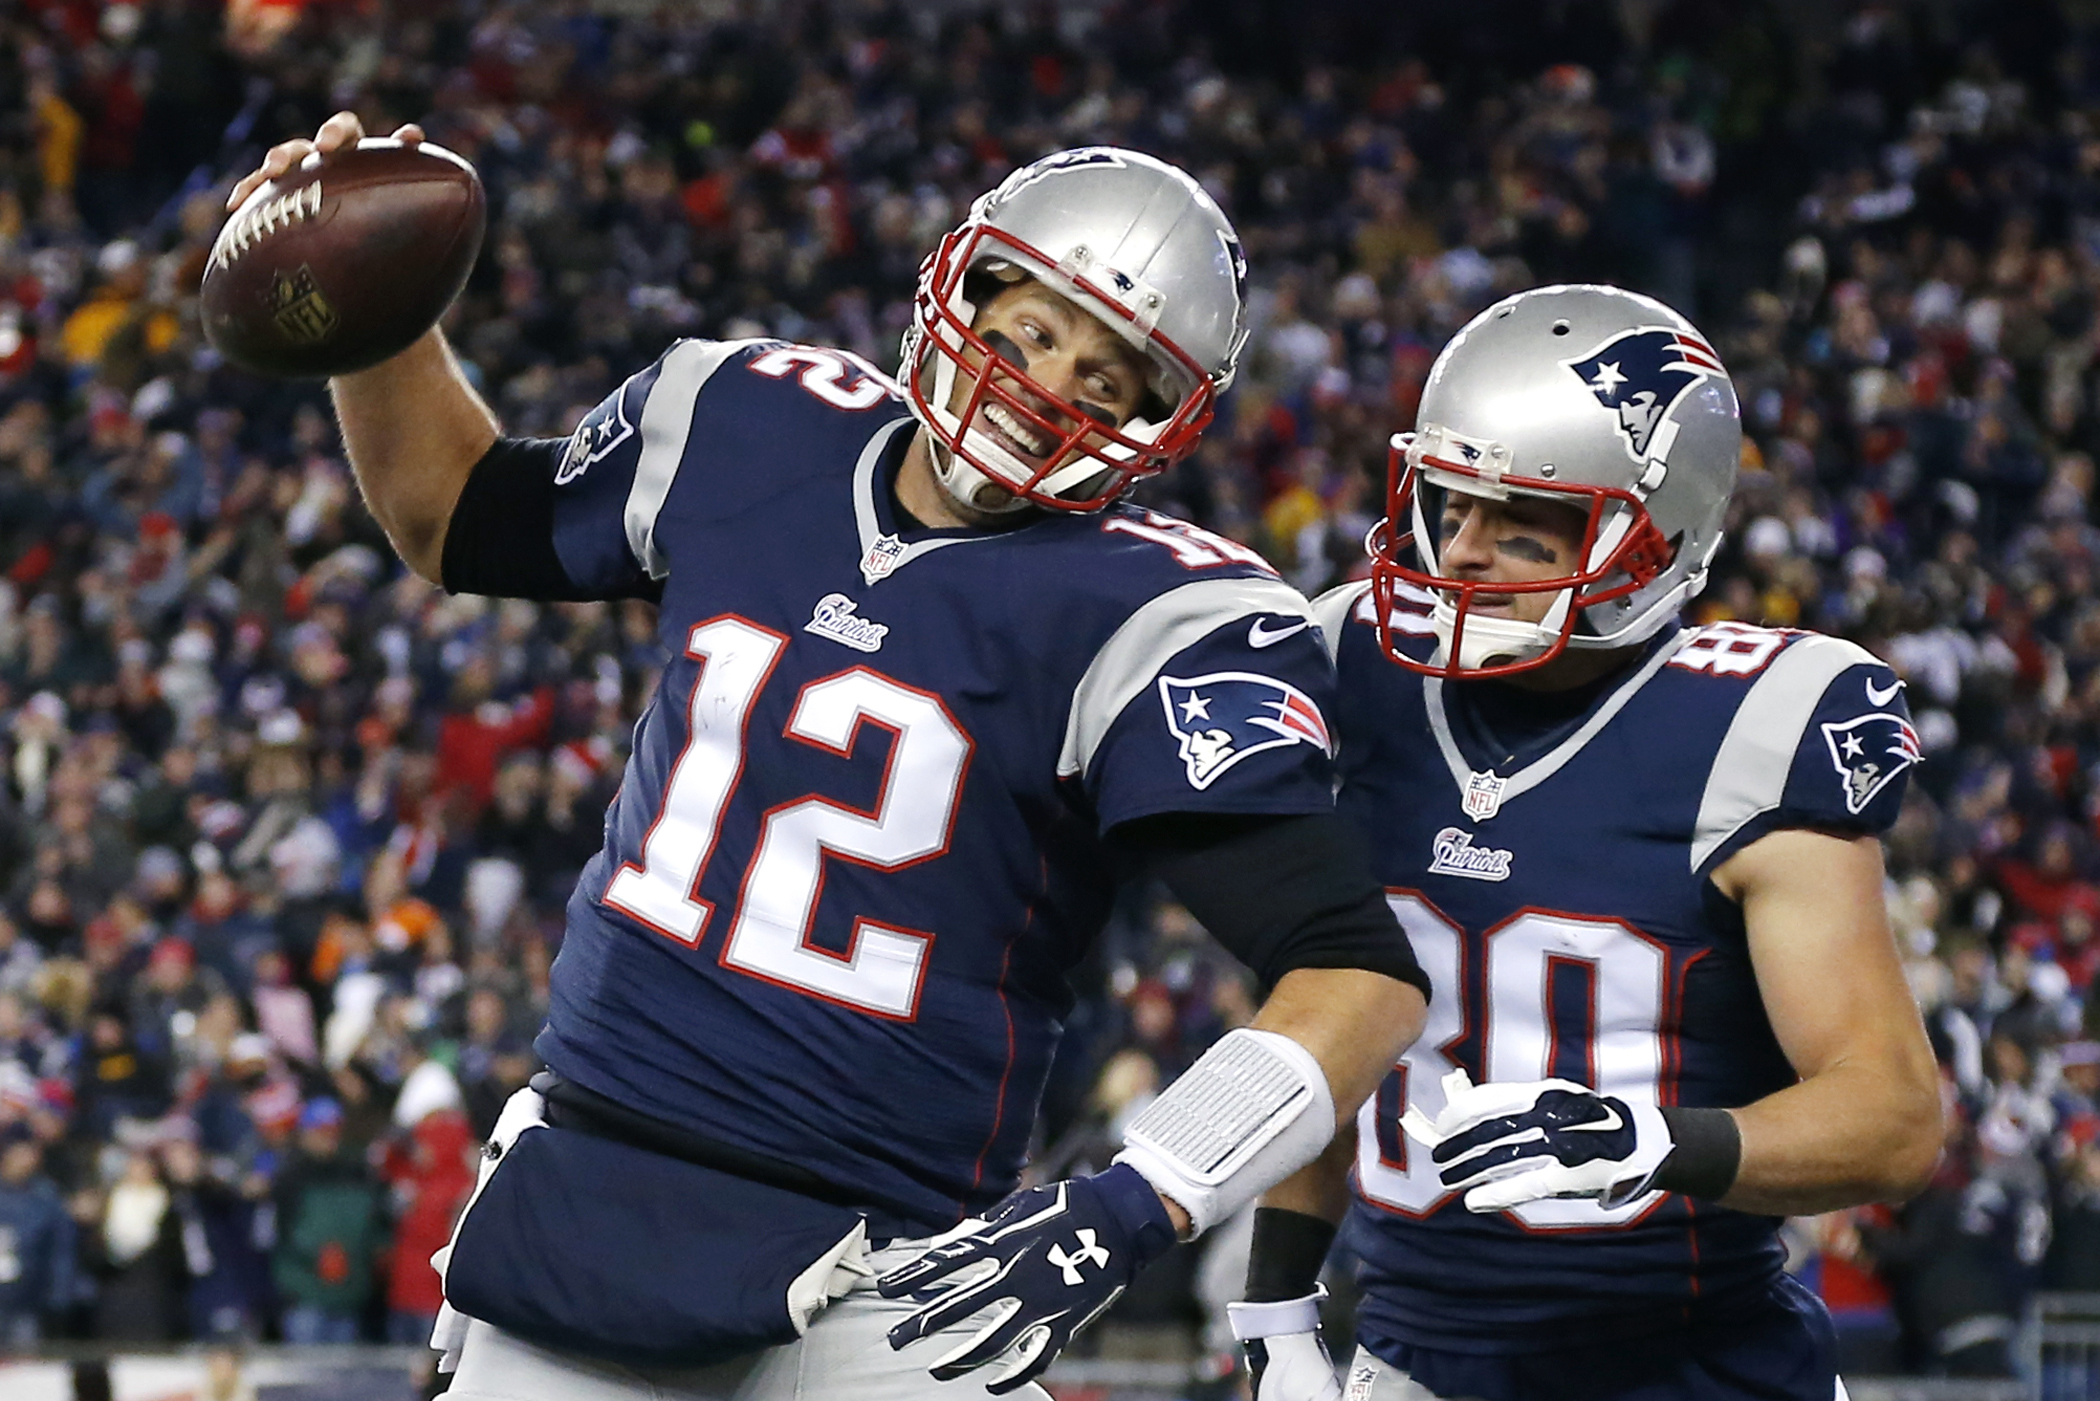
(1100, 415)
(1004, 347)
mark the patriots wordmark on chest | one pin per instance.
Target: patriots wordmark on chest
(1484, 795)
(835, 617)
(1452, 853)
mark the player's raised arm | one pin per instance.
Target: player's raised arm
(412, 425)
(414, 430)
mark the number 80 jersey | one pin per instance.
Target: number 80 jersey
(860, 836)
(1555, 887)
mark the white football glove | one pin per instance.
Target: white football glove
(1285, 1354)
(1507, 1144)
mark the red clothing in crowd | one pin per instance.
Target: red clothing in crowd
(435, 1172)
(472, 743)
(2047, 896)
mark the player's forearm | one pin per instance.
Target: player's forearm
(1321, 1187)
(1354, 1023)
(413, 428)
(1849, 1135)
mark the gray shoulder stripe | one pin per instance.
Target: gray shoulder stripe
(667, 421)
(1750, 769)
(1133, 655)
(1331, 612)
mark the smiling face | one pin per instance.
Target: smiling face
(1521, 540)
(1069, 353)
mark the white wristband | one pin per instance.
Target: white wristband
(1269, 1320)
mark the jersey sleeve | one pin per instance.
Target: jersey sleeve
(611, 481)
(1212, 697)
(1823, 739)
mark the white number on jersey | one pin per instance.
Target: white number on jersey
(912, 821)
(1520, 1040)
(838, 378)
(1193, 546)
(1732, 649)
(777, 903)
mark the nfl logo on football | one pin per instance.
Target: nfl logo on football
(1484, 796)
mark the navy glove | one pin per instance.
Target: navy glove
(1507, 1144)
(1040, 1266)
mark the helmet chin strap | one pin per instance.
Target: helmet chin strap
(1490, 641)
(963, 482)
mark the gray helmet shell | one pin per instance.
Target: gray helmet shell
(1132, 240)
(1585, 387)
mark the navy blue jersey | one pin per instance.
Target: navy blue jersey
(1556, 888)
(859, 841)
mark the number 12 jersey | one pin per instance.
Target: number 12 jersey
(860, 837)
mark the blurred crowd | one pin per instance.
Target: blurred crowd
(285, 834)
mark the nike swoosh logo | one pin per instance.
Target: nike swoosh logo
(1879, 697)
(1261, 636)
(1607, 1126)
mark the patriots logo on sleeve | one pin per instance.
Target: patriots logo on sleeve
(1222, 718)
(605, 428)
(1869, 752)
(1640, 375)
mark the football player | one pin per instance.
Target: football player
(929, 685)
(1641, 863)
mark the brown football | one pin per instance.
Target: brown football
(343, 261)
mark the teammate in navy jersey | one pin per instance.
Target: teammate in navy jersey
(928, 686)
(1641, 864)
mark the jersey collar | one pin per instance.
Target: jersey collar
(1484, 791)
(884, 548)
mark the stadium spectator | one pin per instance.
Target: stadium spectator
(36, 1247)
(329, 1233)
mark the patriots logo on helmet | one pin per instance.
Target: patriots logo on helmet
(1222, 718)
(1640, 375)
(1049, 165)
(1869, 752)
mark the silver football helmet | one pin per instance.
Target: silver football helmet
(1587, 395)
(1132, 240)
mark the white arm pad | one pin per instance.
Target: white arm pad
(1252, 1111)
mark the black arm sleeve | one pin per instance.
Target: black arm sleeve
(1279, 892)
(1289, 1249)
(500, 540)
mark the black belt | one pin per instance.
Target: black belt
(570, 1106)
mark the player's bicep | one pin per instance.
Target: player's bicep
(1825, 961)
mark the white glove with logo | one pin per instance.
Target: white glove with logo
(1285, 1355)
(1507, 1144)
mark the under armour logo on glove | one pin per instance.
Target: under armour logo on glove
(1088, 1253)
(1507, 1144)
(1014, 1269)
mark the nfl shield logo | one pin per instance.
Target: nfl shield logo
(881, 558)
(1484, 796)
